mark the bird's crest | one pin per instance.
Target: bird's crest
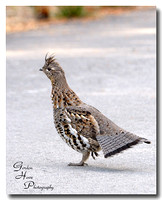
(49, 59)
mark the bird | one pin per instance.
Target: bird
(83, 127)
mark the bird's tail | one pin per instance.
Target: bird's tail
(116, 143)
(145, 140)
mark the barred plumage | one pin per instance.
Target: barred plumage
(81, 126)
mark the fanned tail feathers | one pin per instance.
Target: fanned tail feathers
(113, 144)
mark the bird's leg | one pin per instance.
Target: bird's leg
(82, 162)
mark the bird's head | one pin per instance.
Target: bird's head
(53, 70)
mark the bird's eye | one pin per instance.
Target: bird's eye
(48, 69)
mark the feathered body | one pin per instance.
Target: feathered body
(81, 126)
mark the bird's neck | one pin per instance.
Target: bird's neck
(63, 97)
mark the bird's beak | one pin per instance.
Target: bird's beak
(40, 69)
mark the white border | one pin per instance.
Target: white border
(83, 2)
(3, 101)
(3, 4)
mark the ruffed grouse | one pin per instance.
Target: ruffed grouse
(81, 126)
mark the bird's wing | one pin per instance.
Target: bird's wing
(111, 137)
(92, 124)
(83, 121)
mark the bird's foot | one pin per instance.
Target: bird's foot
(78, 164)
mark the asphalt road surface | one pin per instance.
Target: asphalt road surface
(111, 64)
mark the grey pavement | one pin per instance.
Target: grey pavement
(111, 64)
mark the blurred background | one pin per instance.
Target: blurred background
(109, 58)
(21, 18)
